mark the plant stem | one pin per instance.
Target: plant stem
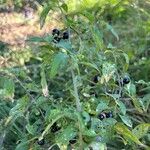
(78, 105)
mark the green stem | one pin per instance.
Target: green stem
(78, 105)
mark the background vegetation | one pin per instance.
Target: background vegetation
(87, 87)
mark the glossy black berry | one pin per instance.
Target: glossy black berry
(65, 35)
(41, 142)
(73, 141)
(55, 32)
(101, 116)
(55, 128)
(95, 80)
(109, 115)
(56, 39)
(126, 80)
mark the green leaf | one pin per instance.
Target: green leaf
(109, 27)
(66, 45)
(88, 64)
(58, 61)
(10, 87)
(121, 106)
(52, 114)
(86, 116)
(20, 107)
(89, 16)
(7, 87)
(126, 120)
(24, 145)
(40, 101)
(47, 39)
(35, 39)
(137, 104)
(108, 70)
(126, 65)
(146, 101)
(44, 14)
(97, 37)
(131, 89)
(109, 122)
(98, 146)
(101, 106)
(89, 132)
(95, 123)
(66, 135)
(140, 130)
(126, 133)
(30, 129)
(65, 7)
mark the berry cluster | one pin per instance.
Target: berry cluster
(104, 115)
(57, 36)
(55, 128)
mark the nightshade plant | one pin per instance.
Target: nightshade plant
(80, 94)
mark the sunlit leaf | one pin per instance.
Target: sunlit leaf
(44, 83)
(65, 7)
(140, 130)
(44, 14)
(108, 70)
(126, 133)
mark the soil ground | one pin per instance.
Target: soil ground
(15, 28)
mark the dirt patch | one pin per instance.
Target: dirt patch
(16, 27)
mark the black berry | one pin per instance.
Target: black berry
(55, 32)
(65, 35)
(73, 141)
(41, 142)
(109, 115)
(95, 80)
(55, 128)
(101, 116)
(56, 39)
(126, 80)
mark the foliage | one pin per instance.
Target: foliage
(66, 86)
